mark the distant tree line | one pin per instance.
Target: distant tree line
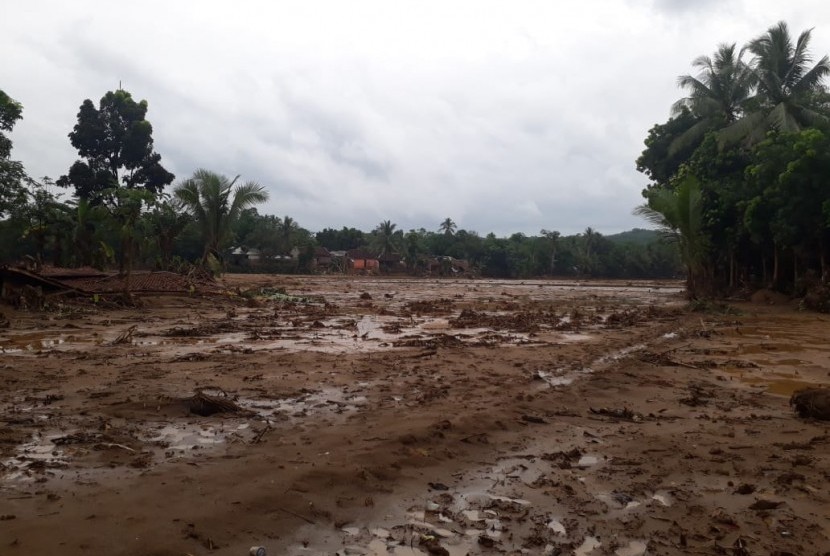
(636, 254)
(119, 215)
(740, 174)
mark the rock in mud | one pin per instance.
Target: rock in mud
(812, 403)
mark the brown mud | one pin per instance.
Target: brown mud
(394, 416)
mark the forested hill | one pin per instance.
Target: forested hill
(637, 236)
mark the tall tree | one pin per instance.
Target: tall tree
(385, 236)
(48, 221)
(167, 221)
(552, 237)
(787, 87)
(115, 142)
(717, 95)
(12, 174)
(215, 203)
(665, 152)
(447, 227)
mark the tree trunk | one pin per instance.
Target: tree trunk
(122, 257)
(775, 267)
(127, 264)
(690, 283)
(731, 269)
(795, 268)
(764, 272)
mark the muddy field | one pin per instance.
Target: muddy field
(370, 416)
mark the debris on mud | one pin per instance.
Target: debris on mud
(429, 307)
(699, 395)
(207, 329)
(205, 405)
(126, 336)
(618, 413)
(812, 403)
(276, 294)
(359, 403)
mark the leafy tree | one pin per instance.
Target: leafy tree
(789, 204)
(551, 242)
(126, 212)
(415, 250)
(10, 112)
(216, 202)
(167, 221)
(116, 144)
(341, 240)
(47, 221)
(12, 174)
(88, 241)
(665, 152)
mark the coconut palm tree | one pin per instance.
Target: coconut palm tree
(717, 95)
(448, 227)
(287, 228)
(215, 203)
(677, 213)
(385, 233)
(787, 87)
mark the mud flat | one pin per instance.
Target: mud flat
(332, 415)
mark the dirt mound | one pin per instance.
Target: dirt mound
(812, 403)
(818, 298)
(144, 282)
(769, 297)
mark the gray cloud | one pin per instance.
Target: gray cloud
(504, 117)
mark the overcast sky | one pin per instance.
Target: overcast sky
(504, 116)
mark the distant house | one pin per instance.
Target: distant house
(322, 257)
(358, 260)
(243, 256)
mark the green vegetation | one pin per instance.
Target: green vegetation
(740, 175)
(12, 174)
(116, 144)
(739, 193)
(216, 203)
(120, 216)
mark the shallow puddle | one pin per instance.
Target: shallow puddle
(39, 453)
(340, 401)
(780, 384)
(184, 437)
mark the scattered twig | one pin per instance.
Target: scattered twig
(261, 433)
(295, 514)
(114, 445)
(125, 337)
(468, 438)
(687, 365)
